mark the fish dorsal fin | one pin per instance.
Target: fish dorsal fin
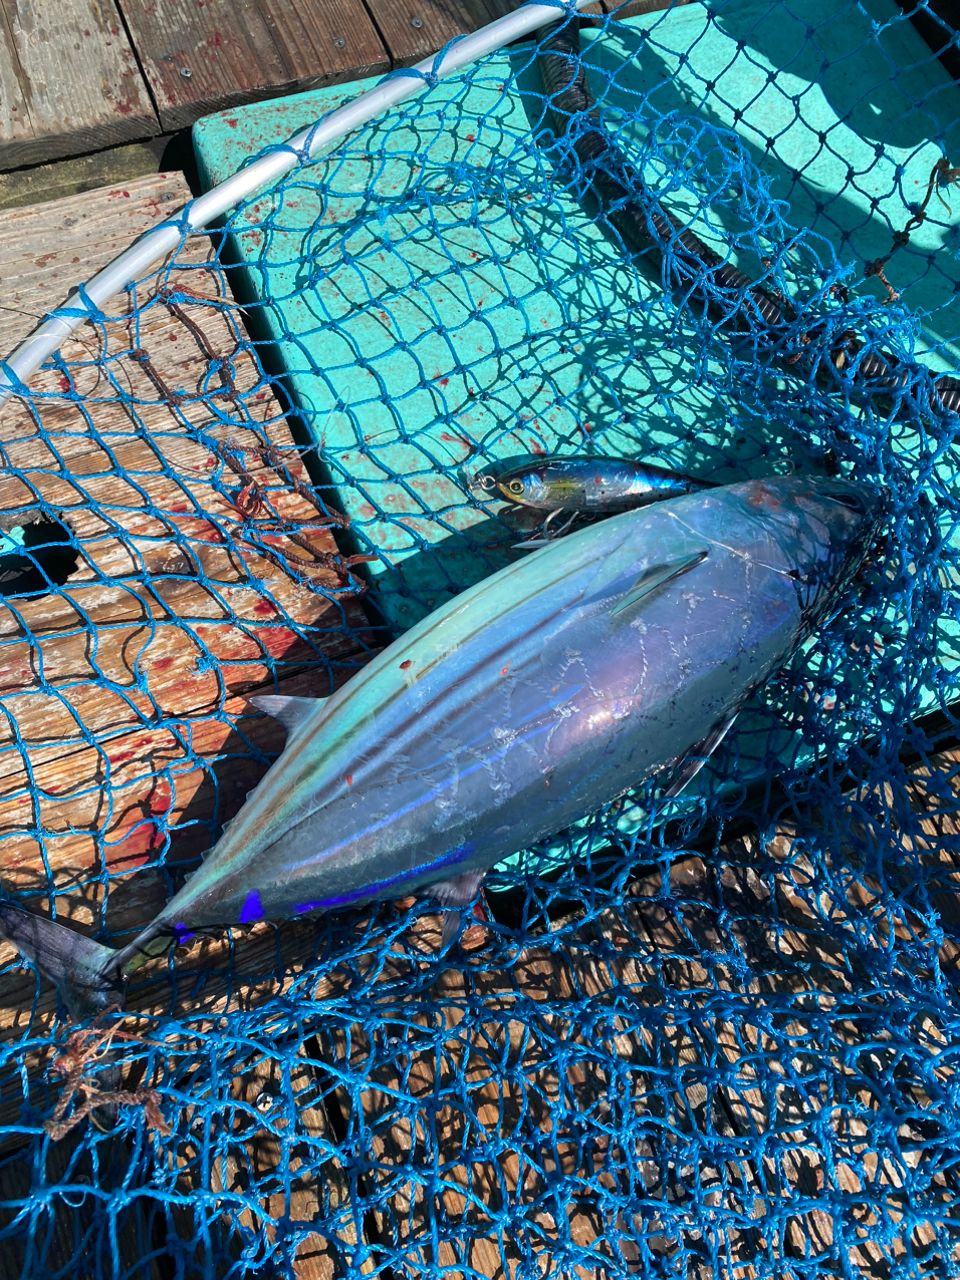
(657, 576)
(697, 756)
(291, 712)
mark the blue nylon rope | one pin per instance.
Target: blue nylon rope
(722, 1043)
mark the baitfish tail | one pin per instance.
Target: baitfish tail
(86, 973)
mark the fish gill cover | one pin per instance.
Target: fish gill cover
(717, 1039)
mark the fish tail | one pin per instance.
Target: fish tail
(86, 973)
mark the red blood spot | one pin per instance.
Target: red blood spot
(264, 609)
(456, 439)
(471, 137)
(64, 383)
(504, 670)
(162, 801)
(348, 778)
(405, 666)
(538, 448)
(444, 382)
(162, 664)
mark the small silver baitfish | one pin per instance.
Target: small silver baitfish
(518, 707)
(594, 485)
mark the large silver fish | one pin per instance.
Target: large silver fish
(537, 695)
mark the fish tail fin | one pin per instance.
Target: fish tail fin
(85, 973)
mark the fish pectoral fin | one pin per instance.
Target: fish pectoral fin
(458, 891)
(291, 712)
(697, 757)
(455, 894)
(657, 576)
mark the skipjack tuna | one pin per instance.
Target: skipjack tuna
(523, 704)
(595, 485)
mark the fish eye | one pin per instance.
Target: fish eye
(850, 500)
(515, 486)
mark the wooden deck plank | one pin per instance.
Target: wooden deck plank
(121, 694)
(482, 1095)
(202, 58)
(69, 81)
(163, 739)
(264, 1120)
(136, 493)
(696, 1101)
(801, 958)
(414, 29)
(269, 1126)
(115, 166)
(49, 249)
(801, 937)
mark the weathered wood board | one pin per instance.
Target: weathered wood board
(201, 57)
(125, 703)
(119, 689)
(177, 600)
(457, 1112)
(414, 29)
(468, 1090)
(74, 78)
(69, 81)
(264, 1121)
(808, 1163)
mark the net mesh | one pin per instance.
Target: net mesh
(716, 1039)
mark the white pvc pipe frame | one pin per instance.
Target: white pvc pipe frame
(154, 245)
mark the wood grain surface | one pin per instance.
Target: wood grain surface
(69, 81)
(199, 58)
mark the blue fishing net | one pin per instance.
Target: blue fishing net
(714, 1037)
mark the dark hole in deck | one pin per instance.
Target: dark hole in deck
(35, 556)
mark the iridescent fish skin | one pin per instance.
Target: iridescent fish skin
(523, 704)
(594, 485)
(533, 698)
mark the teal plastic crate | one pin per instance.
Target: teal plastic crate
(400, 366)
(431, 305)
